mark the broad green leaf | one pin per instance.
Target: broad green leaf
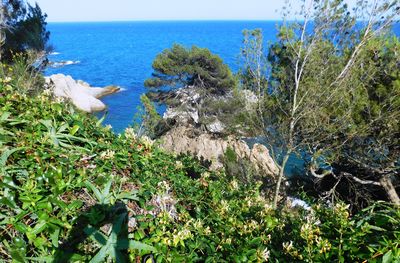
(17, 257)
(387, 258)
(377, 228)
(141, 246)
(128, 195)
(119, 257)
(116, 228)
(54, 237)
(101, 255)
(39, 227)
(96, 235)
(8, 202)
(74, 129)
(100, 121)
(6, 154)
(40, 259)
(106, 191)
(96, 192)
(5, 116)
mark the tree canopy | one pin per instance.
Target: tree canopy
(179, 67)
(334, 96)
(23, 28)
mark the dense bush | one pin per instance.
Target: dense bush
(71, 189)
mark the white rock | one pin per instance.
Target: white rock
(263, 161)
(249, 96)
(182, 116)
(295, 202)
(216, 127)
(83, 96)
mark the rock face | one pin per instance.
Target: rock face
(184, 111)
(80, 93)
(185, 136)
(182, 139)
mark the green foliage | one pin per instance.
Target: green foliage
(254, 69)
(331, 234)
(23, 74)
(25, 28)
(116, 197)
(332, 98)
(240, 169)
(181, 67)
(149, 118)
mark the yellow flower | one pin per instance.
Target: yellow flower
(234, 185)
(207, 231)
(323, 245)
(224, 206)
(287, 246)
(130, 134)
(205, 175)
(107, 155)
(178, 164)
(266, 254)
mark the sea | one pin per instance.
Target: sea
(121, 53)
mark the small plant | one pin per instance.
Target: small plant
(62, 136)
(114, 245)
(149, 118)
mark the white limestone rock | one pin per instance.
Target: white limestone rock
(80, 93)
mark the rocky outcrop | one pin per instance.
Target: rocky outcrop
(184, 109)
(183, 139)
(81, 94)
(183, 106)
(260, 157)
(207, 141)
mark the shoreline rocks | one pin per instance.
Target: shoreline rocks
(60, 64)
(81, 94)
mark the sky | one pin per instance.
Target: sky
(130, 10)
(126, 10)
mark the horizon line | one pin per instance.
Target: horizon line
(169, 20)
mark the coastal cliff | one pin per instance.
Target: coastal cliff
(187, 131)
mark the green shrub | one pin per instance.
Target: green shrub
(62, 172)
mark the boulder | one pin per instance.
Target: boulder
(215, 127)
(81, 94)
(260, 157)
(183, 139)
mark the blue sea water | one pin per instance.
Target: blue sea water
(121, 53)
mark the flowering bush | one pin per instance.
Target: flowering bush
(61, 172)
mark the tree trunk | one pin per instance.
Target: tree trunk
(280, 178)
(386, 183)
